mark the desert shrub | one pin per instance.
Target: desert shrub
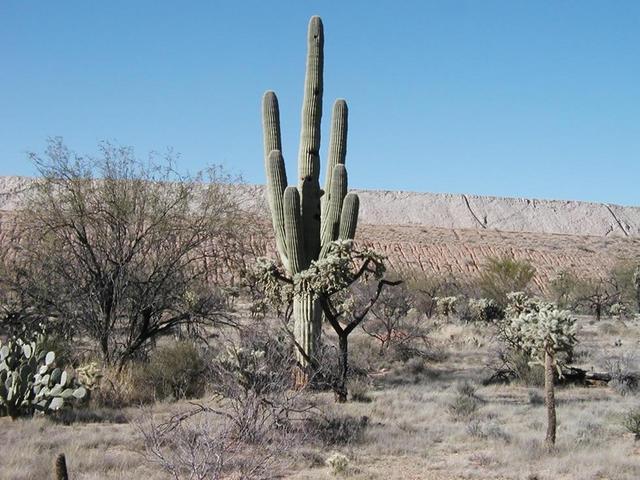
(120, 388)
(597, 295)
(359, 390)
(446, 306)
(201, 446)
(535, 397)
(395, 322)
(623, 369)
(589, 433)
(619, 309)
(336, 429)
(462, 407)
(465, 403)
(563, 288)
(487, 430)
(483, 310)
(338, 463)
(176, 371)
(631, 421)
(499, 276)
(523, 370)
(424, 291)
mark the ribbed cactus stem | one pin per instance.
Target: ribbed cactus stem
(276, 185)
(337, 154)
(349, 217)
(331, 221)
(309, 154)
(271, 123)
(307, 315)
(293, 230)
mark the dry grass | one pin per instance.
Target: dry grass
(411, 433)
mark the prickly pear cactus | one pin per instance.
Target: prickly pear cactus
(30, 381)
(306, 219)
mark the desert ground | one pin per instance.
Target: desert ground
(414, 431)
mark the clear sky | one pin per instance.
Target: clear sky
(519, 98)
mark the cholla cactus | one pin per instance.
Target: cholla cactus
(29, 380)
(338, 463)
(519, 302)
(548, 329)
(484, 309)
(445, 306)
(543, 332)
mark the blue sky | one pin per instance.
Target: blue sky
(511, 98)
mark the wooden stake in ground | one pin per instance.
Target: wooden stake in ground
(61, 468)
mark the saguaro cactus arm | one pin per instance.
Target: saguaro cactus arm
(349, 217)
(309, 154)
(293, 230)
(337, 156)
(276, 185)
(333, 210)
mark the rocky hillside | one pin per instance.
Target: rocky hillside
(440, 233)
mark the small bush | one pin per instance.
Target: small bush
(483, 310)
(535, 398)
(484, 430)
(622, 369)
(445, 306)
(465, 403)
(631, 422)
(359, 391)
(338, 463)
(589, 433)
(528, 374)
(336, 429)
(176, 371)
(499, 276)
(462, 407)
(119, 389)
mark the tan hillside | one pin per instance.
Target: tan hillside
(441, 233)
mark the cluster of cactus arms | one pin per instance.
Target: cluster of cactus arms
(305, 218)
(29, 380)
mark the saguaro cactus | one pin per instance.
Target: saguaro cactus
(305, 218)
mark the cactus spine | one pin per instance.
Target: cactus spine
(305, 218)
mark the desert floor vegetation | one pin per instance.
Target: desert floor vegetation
(415, 418)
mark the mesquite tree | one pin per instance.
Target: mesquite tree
(119, 251)
(305, 218)
(543, 331)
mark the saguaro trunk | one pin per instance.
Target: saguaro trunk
(307, 314)
(550, 400)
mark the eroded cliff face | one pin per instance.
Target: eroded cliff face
(452, 211)
(441, 233)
